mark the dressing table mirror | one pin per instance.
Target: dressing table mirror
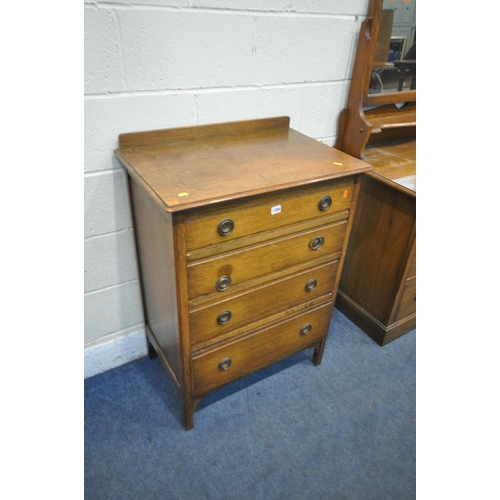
(394, 62)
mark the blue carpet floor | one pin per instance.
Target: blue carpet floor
(343, 430)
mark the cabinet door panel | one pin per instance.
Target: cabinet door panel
(408, 302)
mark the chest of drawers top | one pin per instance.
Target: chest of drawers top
(198, 166)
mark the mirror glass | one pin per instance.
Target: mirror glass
(394, 64)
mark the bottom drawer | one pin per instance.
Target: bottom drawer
(233, 360)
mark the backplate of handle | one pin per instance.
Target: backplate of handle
(317, 243)
(325, 203)
(225, 227)
(223, 283)
(224, 317)
(311, 285)
(305, 329)
(224, 364)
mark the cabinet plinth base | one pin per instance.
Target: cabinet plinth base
(380, 333)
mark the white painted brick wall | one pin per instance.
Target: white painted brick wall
(112, 309)
(300, 49)
(177, 50)
(170, 63)
(108, 116)
(109, 260)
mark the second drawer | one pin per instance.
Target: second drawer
(219, 273)
(237, 311)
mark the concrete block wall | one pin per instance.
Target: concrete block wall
(153, 64)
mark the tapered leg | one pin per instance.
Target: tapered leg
(188, 407)
(187, 417)
(318, 352)
(151, 351)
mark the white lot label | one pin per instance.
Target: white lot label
(275, 210)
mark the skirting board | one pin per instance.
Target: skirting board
(114, 353)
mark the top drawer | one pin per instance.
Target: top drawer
(266, 213)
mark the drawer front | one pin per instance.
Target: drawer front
(408, 302)
(267, 214)
(220, 273)
(256, 304)
(237, 359)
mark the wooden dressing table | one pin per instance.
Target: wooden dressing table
(240, 231)
(377, 290)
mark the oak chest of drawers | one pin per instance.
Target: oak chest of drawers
(240, 233)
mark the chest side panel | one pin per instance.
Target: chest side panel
(155, 252)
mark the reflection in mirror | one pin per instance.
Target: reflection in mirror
(394, 65)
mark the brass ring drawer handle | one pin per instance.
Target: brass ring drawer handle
(325, 203)
(305, 329)
(224, 364)
(311, 285)
(225, 227)
(224, 317)
(223, 283)
(317, 243)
